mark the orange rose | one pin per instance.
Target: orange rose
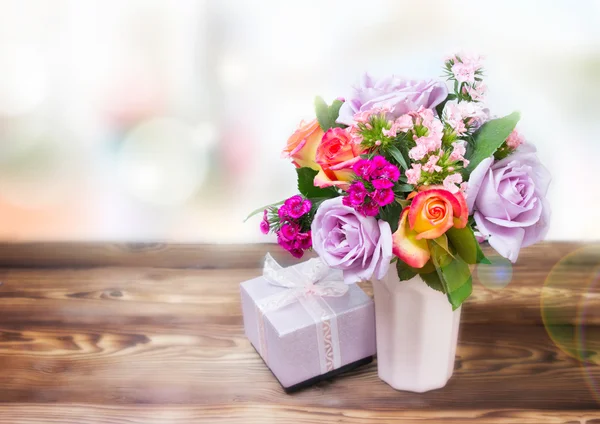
(302, 145)
(430, 215)
(335, 155)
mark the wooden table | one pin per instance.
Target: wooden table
(150, 333)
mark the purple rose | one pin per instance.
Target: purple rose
(509, 201)
(358, 245)
(403, 95)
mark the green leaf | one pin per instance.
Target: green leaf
(489, 138)
(404, 271)
(433, 280)
(397, 155)
(466, 245)
(306, 186)
(391, 215)
(404, 188)
(259, 210)
(461, 294)
(454, 275)
(327, 115)
(439, 255)
(442, 241)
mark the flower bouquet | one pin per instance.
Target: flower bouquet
(399, 183)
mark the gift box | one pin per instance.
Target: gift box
(306, 324)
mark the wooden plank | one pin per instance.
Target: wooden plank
(177, 294)
(156, 338)
(497, 367)
(208, 256)
(281, 414)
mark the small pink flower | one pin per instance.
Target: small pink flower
(296, 253)
(264, 224)
(465, 66)
(297, 206)
(383, 197)
(363, 117)
(356, 194)
(284, 243)
(463, 72)
(303, 241)
(379, 162)
(363, 168)
(388, 172)
(283, 212)
(402, 124)
(431, 165)
(474, 114)
(453, 117)
(382, 183)
(289, 231)
(458, 152)
(451, 181)
(370, 208)
(477, 90)
(514, 140)
(418, 152)
(414, 175)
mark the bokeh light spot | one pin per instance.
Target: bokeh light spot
(497, 275)
(161, 163)
(570, 309)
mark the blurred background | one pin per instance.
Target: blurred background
(147, 120)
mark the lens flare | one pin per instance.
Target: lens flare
(570, 312)
(497, 275)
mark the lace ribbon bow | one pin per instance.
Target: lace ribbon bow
(311, 278)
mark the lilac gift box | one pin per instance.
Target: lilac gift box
(310, 328)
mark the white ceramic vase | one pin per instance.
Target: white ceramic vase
(417, 334)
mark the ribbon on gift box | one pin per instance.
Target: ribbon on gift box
(307, 283)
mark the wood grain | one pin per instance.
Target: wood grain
(281, 414)
(154, 334)
(206, 256)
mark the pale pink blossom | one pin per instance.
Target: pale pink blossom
(474, 114)
(403, 123)
(514, 140)
(465, 66)
(453, 117)
(477, 90)
(431, 165)
(458, 151)
(364, 116)
(463, 72)
(414, 175)
(418, 152)
(451, 181)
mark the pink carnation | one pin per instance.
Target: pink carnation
(458, 152)
(431, 165)
(402, 124)
(414, 175)
(514, 140)
(474, 114)
(451, 181)
(477, 90)
(465, 66)
(453, 117)
(464, 72)
(430, 142)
